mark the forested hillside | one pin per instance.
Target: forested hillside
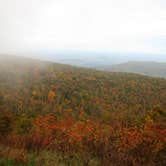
(63, 115)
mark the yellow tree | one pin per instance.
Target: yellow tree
(51, 97)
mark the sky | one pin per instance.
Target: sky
(89, 25)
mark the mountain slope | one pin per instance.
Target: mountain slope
(29, 81)
(146, 68)
(53, 114)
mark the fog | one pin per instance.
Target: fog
(112, 25)
(72, 31)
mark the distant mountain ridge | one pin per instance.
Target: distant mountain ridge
(149, 68)
(93, 59)
(107, 63)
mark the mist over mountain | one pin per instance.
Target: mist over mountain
(146, 64)
(98, 59)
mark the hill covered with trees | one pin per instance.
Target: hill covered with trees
(55, 114)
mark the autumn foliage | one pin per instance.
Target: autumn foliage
(80, 117)
(90, 137)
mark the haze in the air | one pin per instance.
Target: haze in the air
(89, 25)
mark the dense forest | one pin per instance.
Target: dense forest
(54, 114)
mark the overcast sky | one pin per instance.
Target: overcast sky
(108, 25)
